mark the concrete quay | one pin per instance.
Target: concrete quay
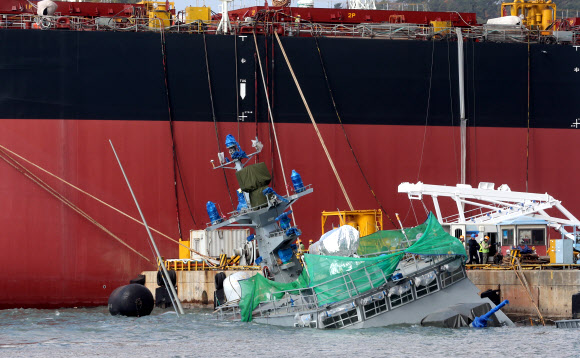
(194, 288)
(551, 290)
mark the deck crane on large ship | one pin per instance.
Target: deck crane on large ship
(494, 206)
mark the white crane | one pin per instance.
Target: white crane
(494, 206)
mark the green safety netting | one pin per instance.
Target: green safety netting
(389, 240)
(259, 289)
(365, 273)
(435, 241)
(325, 273)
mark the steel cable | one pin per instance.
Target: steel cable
(4, 150)
(27, 173)
(217, 137)
(173, 148)
(330, 161)
(345, 135)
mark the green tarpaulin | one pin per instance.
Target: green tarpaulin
(435, 241)
(389, 240)
(325, 273)
(259, 289)
(253, 177)
(365, 273)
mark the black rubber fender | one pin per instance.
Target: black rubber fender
(133, 300)
(219, 298)
(220, 277)
(172, 276)
(139, 279)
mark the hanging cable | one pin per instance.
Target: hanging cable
(414, 213)
(528, 120)
(427, 112)
(272, 121)
(217, 137)
(237, 81)
(314, 123)
(457, 175)
(345, 135)
(256, 101)
(425, 207)
(173, 149)
(267, 92)
(473, 67)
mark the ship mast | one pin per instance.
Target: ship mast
(270, 221)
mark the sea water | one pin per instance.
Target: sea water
(93, 332)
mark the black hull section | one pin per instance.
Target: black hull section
(109, 75)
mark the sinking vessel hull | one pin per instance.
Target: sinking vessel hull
(413, 313)
(66, 93)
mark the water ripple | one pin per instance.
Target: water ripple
(94, 333)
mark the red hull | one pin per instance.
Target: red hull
(52, 257)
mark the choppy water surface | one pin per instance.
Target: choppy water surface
(95, 333)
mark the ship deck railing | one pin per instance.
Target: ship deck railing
(331, 295)
(394, 31)
(203, 265)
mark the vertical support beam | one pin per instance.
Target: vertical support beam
(437, 209)
(463, 121)
(460, 210)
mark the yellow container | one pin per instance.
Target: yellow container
(194, 13)
(184, 252)
(367, 224)
(439, 26)
(159, 16)
(546, 18)
(552, 251)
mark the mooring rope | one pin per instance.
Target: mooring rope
(27, 173)
(314, 123)
(4, 150)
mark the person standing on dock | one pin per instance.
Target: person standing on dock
(462, 239)
(473, 247)
(484, 250)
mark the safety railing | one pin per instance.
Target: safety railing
(355, 284)
(394, 31)
(230, 311)
(448, 278)
(299, 300)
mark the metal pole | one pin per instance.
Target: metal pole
(165, 273)
(463, 121)
(403, 230)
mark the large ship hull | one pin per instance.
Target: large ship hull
(64, 94)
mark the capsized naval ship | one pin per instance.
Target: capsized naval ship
(414, 278)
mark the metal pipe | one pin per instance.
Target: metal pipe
(165, 273)
(463, 121)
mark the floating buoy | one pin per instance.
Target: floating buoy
(132, 300)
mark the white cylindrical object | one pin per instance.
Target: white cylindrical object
(232, 287)
(305, 3)
(46, 7)
(505, 20)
